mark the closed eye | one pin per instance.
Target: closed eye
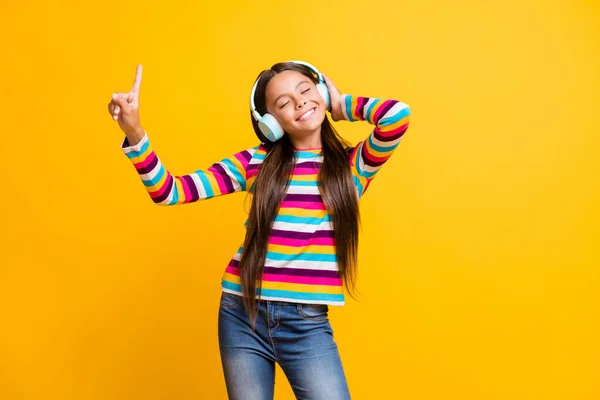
(283, 105)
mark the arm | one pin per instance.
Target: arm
(391, 119)
(224, 177)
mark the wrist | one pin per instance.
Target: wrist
(135, 136)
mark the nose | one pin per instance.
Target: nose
(301, 103)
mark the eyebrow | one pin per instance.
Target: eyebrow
(281, 95)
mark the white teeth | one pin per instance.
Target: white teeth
(307, 115)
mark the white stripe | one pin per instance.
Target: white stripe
(291, 227)
(135, 148)
(236, 186)
(379, 143)
(199, 186)
(152, 173)
(297, 189)
(309, 157)
(366, 107)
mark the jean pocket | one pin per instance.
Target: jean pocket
(229, 300)
(313, 312)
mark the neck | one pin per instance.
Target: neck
(312, 141)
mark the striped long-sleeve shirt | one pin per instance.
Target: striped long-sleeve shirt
(300, 263)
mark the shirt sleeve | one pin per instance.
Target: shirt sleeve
(391, 119)
(223, 177)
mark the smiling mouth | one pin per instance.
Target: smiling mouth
(308, 114)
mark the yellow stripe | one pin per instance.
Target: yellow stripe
(376, 104)
(238, 165)
(300, 212)
(395, 125)
(353, 106)
(142, 156)
(180, 191)
(250, 182)
(292, 287)
(278, 248)
(376, 153)
(158, 184)
(214, 185)
(306, 178)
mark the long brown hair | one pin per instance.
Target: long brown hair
(269, 189)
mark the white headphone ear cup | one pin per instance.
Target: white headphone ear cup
(270, 127)
(324, 92)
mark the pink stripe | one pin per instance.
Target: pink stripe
(379, 111)
(392, 132)
(306, 280)
(219, 179)
(305, 171)
(148, 160)
(232, 270)
(372, 157)
(298, 204)
(163, 188)
(301, 242)
(241, 159)
(186, 189)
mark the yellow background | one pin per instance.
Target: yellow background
(479, 261)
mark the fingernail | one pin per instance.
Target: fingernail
(115, 117)
(114, 96)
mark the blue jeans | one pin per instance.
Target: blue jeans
(297, 336)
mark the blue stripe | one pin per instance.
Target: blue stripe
(301, 220)
(205, 183)
(306, 155)
(357, 158)
(379, 148)
(392, 119)
(157, 177)
(238, 177)
(370, 175)
(175, 194)
(288, 294)
(359, 185)
(304, 183)
(349, 108)
(271, 255)
(144, 147)
(368, 116)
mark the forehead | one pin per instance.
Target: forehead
(284, 82)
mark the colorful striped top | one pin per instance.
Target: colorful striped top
(300, 263)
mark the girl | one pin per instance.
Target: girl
(301, 240)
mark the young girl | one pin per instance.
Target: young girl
(301, 240)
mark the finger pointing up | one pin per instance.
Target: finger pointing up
(135, 90)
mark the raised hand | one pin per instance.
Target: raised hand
(336, 100)
(124, 108)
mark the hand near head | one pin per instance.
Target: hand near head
(336, 100)
(124, 107)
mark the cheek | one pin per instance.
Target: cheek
(286, 116)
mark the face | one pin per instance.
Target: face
(293, 99)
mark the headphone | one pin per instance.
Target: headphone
(267, 123)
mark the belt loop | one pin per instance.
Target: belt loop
(298, 306)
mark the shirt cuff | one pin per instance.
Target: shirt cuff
(345, 98)
(135, 148)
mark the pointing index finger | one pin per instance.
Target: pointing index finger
(138, 79)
